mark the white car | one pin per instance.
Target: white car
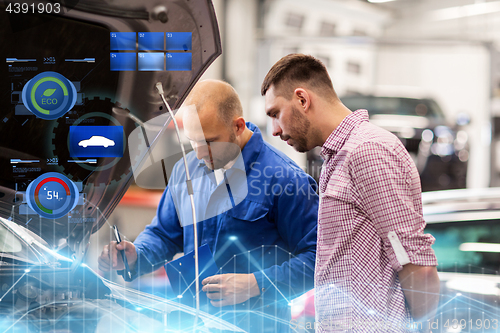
(64, 295)
(466, 225)
(97, 141)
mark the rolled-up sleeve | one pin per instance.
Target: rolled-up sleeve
(387, 188)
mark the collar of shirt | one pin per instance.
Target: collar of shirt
(219, 173)
(249, 153)
(338, 137)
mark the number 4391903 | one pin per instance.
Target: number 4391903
(478, 324)
(40, 8)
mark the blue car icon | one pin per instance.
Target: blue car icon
(97, 141)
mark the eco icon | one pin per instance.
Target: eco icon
(49, 92)
(49, 95)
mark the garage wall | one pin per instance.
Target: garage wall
(458, 76)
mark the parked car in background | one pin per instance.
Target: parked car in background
(438, 146)
(466, 225)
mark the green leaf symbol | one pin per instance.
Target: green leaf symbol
(49, 92)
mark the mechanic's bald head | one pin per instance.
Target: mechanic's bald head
(215, 126)
(211, 95)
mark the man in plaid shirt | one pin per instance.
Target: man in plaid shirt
(375, 269)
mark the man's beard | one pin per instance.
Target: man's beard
(229, 150)
(300, 129)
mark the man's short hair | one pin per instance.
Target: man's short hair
(224, 97)
(229, 108)
(295, 70)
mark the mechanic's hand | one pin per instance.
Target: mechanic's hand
(111, 259)
(230, 289)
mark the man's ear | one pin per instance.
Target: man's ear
(239, 123)
(303, 98)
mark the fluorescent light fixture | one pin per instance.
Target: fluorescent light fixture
(480, 247)
(379, 1)
(458, 12)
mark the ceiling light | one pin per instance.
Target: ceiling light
(379, 1)
(465, 11)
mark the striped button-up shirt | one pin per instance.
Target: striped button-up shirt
(370, 224)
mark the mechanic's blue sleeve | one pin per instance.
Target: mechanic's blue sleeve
(160, 240)
(296, 216)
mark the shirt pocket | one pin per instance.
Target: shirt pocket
(339, 190)
(248, 211)
(251, 224)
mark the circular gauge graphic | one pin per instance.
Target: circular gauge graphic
(52, 195)
(49, 95)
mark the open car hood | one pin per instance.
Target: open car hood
(86, 302)
(107, 57)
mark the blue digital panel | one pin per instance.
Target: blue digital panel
(178, 61)
(49, 95)
(96, 141)
(122, 41)
(52, 195)
(151, 61)
(151, 41)
(178, 41)
(123, 61)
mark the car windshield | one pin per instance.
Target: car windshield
(467, 247)
(394, 106)
(12, 247)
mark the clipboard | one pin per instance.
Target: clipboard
(181, 274)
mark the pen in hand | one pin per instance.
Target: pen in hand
(122, 252)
